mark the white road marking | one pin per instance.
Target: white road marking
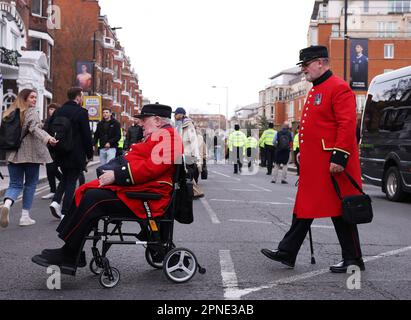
(213, 215)
(239, 293)
(230, 282)
(261, 188)
(289, 198)
(252, 202)
(250, 221)
(38, 191)
(227, 176)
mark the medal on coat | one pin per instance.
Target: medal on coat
(318, 98)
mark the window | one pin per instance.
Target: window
(115, 95)
(115, 72)
(36, 44)
(335, 31)
(366, 6)
(360, 103)
(291, 111)
(2, 34)
(37, 7)
(388, 51)
(399, 6)
(14, 41)
(387, 29)
(49, 49)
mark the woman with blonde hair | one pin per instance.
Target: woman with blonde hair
(24, 163)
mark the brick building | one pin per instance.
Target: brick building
(26, 50)
(87, 41)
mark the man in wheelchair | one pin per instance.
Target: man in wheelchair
(146, 167)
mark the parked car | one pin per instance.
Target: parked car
(386, 134)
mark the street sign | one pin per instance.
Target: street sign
(93, 106)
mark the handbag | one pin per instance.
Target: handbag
(204, 171)
(183, 210)
(356, 209)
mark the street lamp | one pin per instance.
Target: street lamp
(226, 101)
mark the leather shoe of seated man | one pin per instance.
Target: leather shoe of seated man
(343, 265)
(82, 261)
(280, 256)
(62, 258)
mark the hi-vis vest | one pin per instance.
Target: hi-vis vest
(251, 143)
(296, 142)
(236, 139)
(267, 137)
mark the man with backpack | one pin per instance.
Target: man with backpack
(70, 124)
(282, 141)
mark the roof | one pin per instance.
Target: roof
(292, 71)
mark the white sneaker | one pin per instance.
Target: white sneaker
(48, 196)
(26, 221)
(4, 216)
(55, 209)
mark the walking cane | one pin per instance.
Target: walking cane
(1, 176)
(311, 246)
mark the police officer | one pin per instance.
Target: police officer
(266, 140)
(237, 141)
(251, 146)
(327, 146)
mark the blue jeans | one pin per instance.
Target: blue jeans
(107, 154)
(27, 173)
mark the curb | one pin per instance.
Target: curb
(43, 179)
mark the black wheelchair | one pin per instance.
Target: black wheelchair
(178, 264)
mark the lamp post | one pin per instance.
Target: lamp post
(226, 101)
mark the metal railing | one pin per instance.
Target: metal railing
(9, 57)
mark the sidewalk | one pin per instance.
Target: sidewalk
(42, 176)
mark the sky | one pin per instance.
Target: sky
(181, 48)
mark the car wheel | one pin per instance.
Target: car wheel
(393, 185)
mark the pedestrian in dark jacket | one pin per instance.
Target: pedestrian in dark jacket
(107, 136)
(73, 162)
(134, 134)
(282, 140)
(51, 168)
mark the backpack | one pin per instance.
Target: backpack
(10, 132)
(283, 142)
(61, 128)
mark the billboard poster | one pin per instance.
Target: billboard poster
(84, 77)
(359, 64)
(93, 106)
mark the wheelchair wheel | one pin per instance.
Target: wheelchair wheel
(110, 281)
(180, 265)
(95, 267)
(150, 257)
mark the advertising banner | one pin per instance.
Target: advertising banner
(359, 64)
(93, 106)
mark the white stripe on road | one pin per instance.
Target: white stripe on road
(277, 224)
(239, 293)
(38, 191)
(252, 202)
(261, 188)
(210, 211)
(289, 198)
(230, 282)
(224, 175)
(250, 221)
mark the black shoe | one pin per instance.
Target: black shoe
(268, 173)
(284, 182)
(82, 261)
(272, 181)
(343, 265)
(280, 256)
(66, 263)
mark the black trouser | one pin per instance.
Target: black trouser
(79, 222)
(297, 164)
(251, 156)
(347, 236)
(67, 186)
(237, 157)
(81, 179)
(52, 174)
(263, 157)
(270, 157)
(193, 172)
